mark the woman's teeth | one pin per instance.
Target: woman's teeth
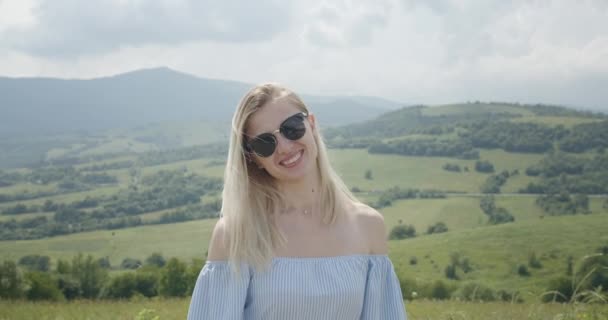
(292, 159)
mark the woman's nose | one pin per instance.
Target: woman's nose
(283, 144)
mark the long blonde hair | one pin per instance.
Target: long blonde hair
(250, 196)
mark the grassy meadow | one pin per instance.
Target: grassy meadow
(174, 309)
(494, 251)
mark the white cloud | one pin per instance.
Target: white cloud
(71, 28)
(409, 50)
(345, 23)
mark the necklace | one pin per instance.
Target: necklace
(293, 210)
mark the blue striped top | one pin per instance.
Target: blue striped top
(341, 287)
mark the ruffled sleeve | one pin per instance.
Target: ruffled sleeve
(219, 293)
(383, 299)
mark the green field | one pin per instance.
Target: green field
(178, 309)
(184, 240)
(481, 108)
(494, 251)
(406, 172)
(567, 122)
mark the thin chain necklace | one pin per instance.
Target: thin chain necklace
(306, 211)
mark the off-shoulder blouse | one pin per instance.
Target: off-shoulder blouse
(341, 287)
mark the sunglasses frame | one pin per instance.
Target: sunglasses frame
(249, 148)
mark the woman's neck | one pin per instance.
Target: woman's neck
(302, 194)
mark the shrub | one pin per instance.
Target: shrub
(130, 263)
(402, 232)
(408, 286)
(523, 271)
(413, 261)
(484, 166)
(104, 262)
(438, 227)
(147, 283)
(476, 292)
(450, 272)
(35, 262)
(453, 167)
(440, 290)
(10, 281)
(42, 286)
(174, 279)
(534, 262)
(156, 259)
(559, 290)
(123, 286)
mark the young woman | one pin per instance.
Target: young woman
(292, 242)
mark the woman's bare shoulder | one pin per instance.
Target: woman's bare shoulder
(371, 224)
(218, 249)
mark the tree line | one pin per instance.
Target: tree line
(486, 131)
(163, 190)
(563, 173)
(85, 277)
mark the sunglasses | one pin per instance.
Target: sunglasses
(265, 144)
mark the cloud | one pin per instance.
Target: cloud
(345, 23)
(70, 28)
(413, 51)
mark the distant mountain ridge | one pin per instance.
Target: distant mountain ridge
(48, 105)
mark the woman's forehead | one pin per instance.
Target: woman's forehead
(270, 116)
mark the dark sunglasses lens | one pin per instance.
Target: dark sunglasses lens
(263, 145)
(293, 128)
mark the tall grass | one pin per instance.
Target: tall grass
(168, 309)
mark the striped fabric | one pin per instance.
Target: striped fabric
(342, 287)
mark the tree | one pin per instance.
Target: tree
(193, 271)
(147, 282)
(484, 166)
(487, 204)
(174, 279)
(156, 259)
(130, 263)
(10, 281)
(582, 201)
(36, 262)
(500, 215)
(90, 275)
(368, 174)
(42, 286)
(454, 167)
(495, 214)
(104, 262)
(122, 286)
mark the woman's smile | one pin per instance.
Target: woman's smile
(292, 160)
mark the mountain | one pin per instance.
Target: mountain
(47, 105)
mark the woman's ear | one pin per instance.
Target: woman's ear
(312, 120)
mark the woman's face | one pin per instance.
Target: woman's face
(291, 160)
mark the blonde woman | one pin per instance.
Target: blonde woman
(292, 242)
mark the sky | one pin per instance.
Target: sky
(410, 51)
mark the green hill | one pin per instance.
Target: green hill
(126, 193)
(494, 251)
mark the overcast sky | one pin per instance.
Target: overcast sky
(411, 51)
